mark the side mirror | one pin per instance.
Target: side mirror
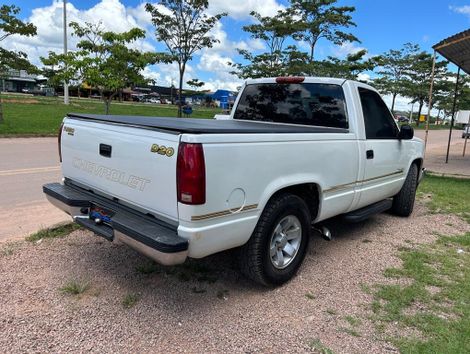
(406, 132)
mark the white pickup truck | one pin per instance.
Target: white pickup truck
(294, 152)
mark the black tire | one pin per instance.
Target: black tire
(254, 257)
(404, 201)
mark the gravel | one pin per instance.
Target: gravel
(204, 305)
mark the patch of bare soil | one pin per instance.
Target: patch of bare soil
(131, 305)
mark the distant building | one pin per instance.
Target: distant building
(225, 98)
(463, 117)
(21, 81)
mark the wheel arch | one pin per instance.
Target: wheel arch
(309, 192)
(419, 163)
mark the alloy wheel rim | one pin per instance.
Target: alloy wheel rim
(285, 241)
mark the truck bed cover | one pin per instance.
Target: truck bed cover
(204, 126)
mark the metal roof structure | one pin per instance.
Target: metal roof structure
(456, 49)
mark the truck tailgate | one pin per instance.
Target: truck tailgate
(133, 165)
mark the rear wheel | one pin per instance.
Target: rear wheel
(404, 201)
(278, 245)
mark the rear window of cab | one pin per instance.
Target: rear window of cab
(299, 103)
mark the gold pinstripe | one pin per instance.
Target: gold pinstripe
(223, 213)
(254, 206)
(347, 185)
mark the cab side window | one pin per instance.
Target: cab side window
(378, 120)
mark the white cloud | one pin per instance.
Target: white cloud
(209, 65)
(363, 77)
(241, 9)
(343, 50)
(113, 15)
(463, 10)
(218, 65)
(214, 85)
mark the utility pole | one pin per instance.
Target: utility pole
(411, 114)
(66, 86)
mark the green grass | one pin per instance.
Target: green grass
(26, 115)
(350, 331)
(310, 296)
(353, 321)
(7, 250)
(422, 126)
(331, 312)
(130, 300)
(75, 287)
(59, 231)
(436, 303)
(448, 195)
(319, 347)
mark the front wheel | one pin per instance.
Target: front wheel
(404, 201)
(279, 242)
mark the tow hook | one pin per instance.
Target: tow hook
(324, 232)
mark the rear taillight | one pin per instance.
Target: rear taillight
(59, 140)
(191, 174)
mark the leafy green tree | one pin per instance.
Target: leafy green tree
(10, 25)
(322, 19)
(306, 21)
(273, 32)
(195, 83)
(393, 68)
(60, 68)
(443, 96)
(416, 85)
(349, 68)
(183, 26)
(104, 60)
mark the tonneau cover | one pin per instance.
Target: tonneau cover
(205, 126)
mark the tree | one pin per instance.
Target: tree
(348, 68)
(321, 19)
(183, 26)
(416, 85)
(195, 83)
(104, 60)
(394, 68)
(10, 25)
(60, 68)
(443, 96)
(273, 31)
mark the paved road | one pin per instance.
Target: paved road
(26, 164)
(436, 153)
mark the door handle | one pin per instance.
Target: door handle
(370, 154)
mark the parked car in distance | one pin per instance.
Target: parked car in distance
(293, 153)
(466, 132)
(403, 119)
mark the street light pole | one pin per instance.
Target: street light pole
(66, 86)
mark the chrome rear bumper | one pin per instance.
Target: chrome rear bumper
(153, 238)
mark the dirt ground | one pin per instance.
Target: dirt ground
(204, 305)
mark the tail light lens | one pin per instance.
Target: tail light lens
(59, 140)
(191, 174)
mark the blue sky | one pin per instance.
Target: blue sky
(381, 25)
